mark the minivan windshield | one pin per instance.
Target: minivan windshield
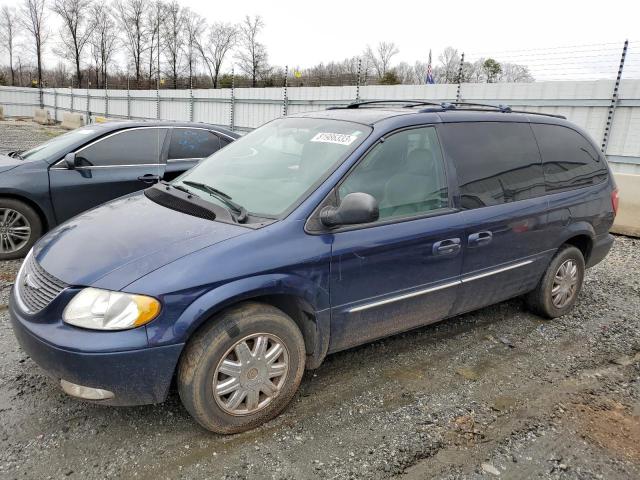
(54, 147)
(268, 170)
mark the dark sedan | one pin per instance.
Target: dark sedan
(44, 186)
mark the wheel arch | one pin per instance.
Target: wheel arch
(582, 237)
(46, 223)
(297, 297)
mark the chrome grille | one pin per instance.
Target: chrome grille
(35, 287)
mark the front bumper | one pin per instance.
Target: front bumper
(136, 377)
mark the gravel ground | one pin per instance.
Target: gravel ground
(24, 134)
(498, 392)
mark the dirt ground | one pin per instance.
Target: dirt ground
(498, 393)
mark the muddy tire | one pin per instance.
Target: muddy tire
(242, 369)
(20, 227)
(558, 290)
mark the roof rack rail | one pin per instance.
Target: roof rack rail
(440, 106)
(479, 107)
(373, 102)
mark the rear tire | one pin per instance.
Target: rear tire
(558, 290)
(20, 227)
(242, 369)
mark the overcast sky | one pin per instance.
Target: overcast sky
(304, 33)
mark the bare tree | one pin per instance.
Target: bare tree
(252, 57)
(172, 29)
(76, 30)
(103, 41)
(131, 20)
(380, 59)
(8, 33)
(512, 72)
(33, 19)
(449, 65)
(219, 41)
(194, 28)
(153, 22)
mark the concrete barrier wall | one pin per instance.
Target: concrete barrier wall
(42, 116)
(628, 218)
(71, 121)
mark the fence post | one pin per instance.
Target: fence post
(55, 104)
(158, 97)
(285, 98)
(232, 120)
(128, 98)
(459, 92)
(41, 95)
(190, 98)
(106, 97)
(71, 94)
(358, 79)
(614, 101)
(88, 104)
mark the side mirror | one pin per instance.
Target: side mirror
(70, 160)
(354, 209)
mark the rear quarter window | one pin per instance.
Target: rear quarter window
(495, 162)
(569, 160)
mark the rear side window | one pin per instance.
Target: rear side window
(569, 159)
(192, 143)
(495, 162)
(138, 146)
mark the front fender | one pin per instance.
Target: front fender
(203, 304)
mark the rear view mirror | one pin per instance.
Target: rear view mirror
(70, 160)
(355, 208)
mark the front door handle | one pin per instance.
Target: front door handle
(450, 246)
(149, 178)
(479, 239)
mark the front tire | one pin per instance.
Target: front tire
(20, 227)
(242, 369)
(558, 290)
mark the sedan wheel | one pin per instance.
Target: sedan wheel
(565, 283)
(15, 230)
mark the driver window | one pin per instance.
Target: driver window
(405, 174)
(138, 146)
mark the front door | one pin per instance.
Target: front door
(121, 163)
(502, 197)
(402, 271)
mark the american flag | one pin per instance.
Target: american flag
(430, 79)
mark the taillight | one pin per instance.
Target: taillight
(614, 200)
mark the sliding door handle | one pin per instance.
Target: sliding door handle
(480, 238)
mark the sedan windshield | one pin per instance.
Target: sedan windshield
(54, 147)
(270, 169)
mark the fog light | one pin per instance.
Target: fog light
(88, 393)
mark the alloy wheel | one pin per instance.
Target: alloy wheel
(565, 283)
(251, 374)
(15, 230)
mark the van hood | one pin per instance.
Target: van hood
(123, 240)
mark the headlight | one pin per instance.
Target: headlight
(104, 310)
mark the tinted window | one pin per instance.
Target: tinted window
(495, 162)
(569, 159)
(192, 143)
(404, 173)
(132, 147)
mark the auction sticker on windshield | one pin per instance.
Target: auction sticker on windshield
(339, 138)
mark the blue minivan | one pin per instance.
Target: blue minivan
(312, 234)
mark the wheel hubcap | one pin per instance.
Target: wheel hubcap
(251, 374)
(15, 230)
(565, 284)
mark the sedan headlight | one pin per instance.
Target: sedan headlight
(105, 310)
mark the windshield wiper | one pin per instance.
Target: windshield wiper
(239, 210)
(15, 154)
